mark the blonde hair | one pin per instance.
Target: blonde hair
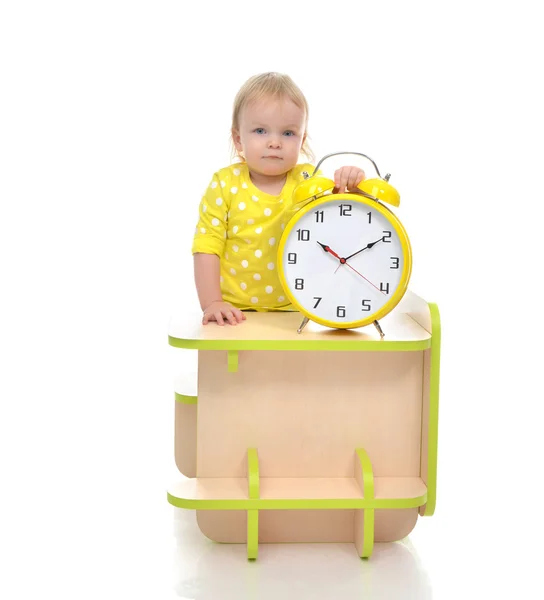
(275, 85)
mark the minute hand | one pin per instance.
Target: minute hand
(365, 248)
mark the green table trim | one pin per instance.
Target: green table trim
(432, 435)
(297, 503)
(316, 345)
(184, 399)
(253, 473)
(253, 515)
(368, 492)
(232, 361)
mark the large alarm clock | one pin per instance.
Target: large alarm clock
(344, 259)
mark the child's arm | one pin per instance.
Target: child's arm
(208, 246)
(209, 292)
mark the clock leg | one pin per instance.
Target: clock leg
(303, 324)
(382, 334)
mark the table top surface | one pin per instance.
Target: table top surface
(278, 331)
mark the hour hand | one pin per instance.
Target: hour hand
(331, 251)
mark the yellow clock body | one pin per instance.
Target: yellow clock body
(345, 260)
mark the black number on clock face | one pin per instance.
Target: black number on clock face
(345, 210)
(366, 306)
(319, 216)
(299, 284)
(387, 237)
(292, 258)
(384, 287)
(396, 262)
(341, 311)
(369, 217)
(318, 301)
(303, 235)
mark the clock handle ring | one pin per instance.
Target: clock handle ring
(356, 153)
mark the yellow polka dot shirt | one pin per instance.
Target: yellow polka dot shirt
(243, 226)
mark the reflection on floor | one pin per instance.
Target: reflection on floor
(206, 570)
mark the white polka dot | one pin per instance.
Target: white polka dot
(282, 226)
(242, 205)
(235, 248)
(233, 190)
(270, 266)
(281, 200)
(221, 279)
(267, 212)
(254, 300)
(258, 253)
(254, 198)
(233, 271)
(244, 185)
(235, 229)
(219, 201)
(257, 277)
(213, 185)
(202, 230)
(243, 286)
(227, 255)
(223, 184)
(268, 289)
(204, 208)
(272, 241)
(281, 298)
(215, 222)
(250, 221)
(245, 264)
(259, 230)
(247, 241)
(236, 171)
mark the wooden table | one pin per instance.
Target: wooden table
(324, 436)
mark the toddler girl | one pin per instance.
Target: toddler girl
(240, 221)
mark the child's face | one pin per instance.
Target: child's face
(270, 136)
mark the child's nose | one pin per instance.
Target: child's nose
(274, 142)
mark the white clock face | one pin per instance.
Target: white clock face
(343, 261)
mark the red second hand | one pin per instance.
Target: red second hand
(343, 261)
(348, 265)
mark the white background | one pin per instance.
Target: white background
(113, 116)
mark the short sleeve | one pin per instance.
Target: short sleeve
(211, 229)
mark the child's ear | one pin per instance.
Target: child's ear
(236, 140)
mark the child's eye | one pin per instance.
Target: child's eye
(259, 130)
(289, 133)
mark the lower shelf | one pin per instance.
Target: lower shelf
(293, 493)
(362, 493)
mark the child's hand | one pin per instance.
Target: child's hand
(347, 177)
(220, 311)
